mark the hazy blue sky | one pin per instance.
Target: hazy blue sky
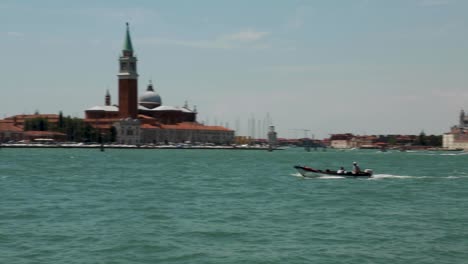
(362, 66)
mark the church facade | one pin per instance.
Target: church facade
(144, 119)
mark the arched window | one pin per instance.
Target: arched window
(123, 66)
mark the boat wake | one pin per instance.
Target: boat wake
(319, 177)
(390, 176)
(385, 176)
(454, 154)
(441, 154)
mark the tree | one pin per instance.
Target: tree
(113, 134)
(36, 124)
(422, 139)
(60, 123)
(391, 140)
(435, 141)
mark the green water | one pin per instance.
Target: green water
(225, 206)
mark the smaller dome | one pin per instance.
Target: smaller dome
(150, 99)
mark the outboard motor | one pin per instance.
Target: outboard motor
(368, 171)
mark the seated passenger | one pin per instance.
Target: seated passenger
(340, 171)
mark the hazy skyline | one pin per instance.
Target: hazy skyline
(365, 67)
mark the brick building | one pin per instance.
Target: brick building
(157, 122)
(13, 128)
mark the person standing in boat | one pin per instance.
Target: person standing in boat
(356, 168)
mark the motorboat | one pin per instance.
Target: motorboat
(306, 171)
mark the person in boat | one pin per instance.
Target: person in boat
(356, 168)
(341, 171)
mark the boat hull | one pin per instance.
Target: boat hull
(311, 172)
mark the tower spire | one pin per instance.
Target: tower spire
(108, 98)
(128, 47)
(150, 86)
(462, 118)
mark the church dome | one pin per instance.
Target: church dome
(150, 99)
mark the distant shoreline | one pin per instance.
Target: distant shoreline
(94, 146)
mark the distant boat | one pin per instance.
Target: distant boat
(311, 172)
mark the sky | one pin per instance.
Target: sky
(349, 66)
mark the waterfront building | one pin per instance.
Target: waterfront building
(341, 141)
(135, 120)
(457, 138)
(157, 123)
(9, 131)
(128, 131)
(186, 132)
(14, 128)
(363, 141)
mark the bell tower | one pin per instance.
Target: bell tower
(128, 80)
(462, 118)
(107, 100)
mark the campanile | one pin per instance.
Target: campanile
(128, 80)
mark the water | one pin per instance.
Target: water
(225, 206)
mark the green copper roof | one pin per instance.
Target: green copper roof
(128, 41)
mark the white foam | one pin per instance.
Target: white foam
(331, 177)
(383, 176)
(454, 154)
(316, 177)
(297, 175)
(457, 177)
(390, 176)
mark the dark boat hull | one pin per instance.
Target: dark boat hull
(311, 172)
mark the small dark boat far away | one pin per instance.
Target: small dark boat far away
(311, 172)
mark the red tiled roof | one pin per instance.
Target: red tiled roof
(150, 126)
(140, 116)
(187, 126)
(43, 133)
(22, 117)
(101, 120)
(9, 126)
(380, 143)
(341, 136)
(102, 126)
